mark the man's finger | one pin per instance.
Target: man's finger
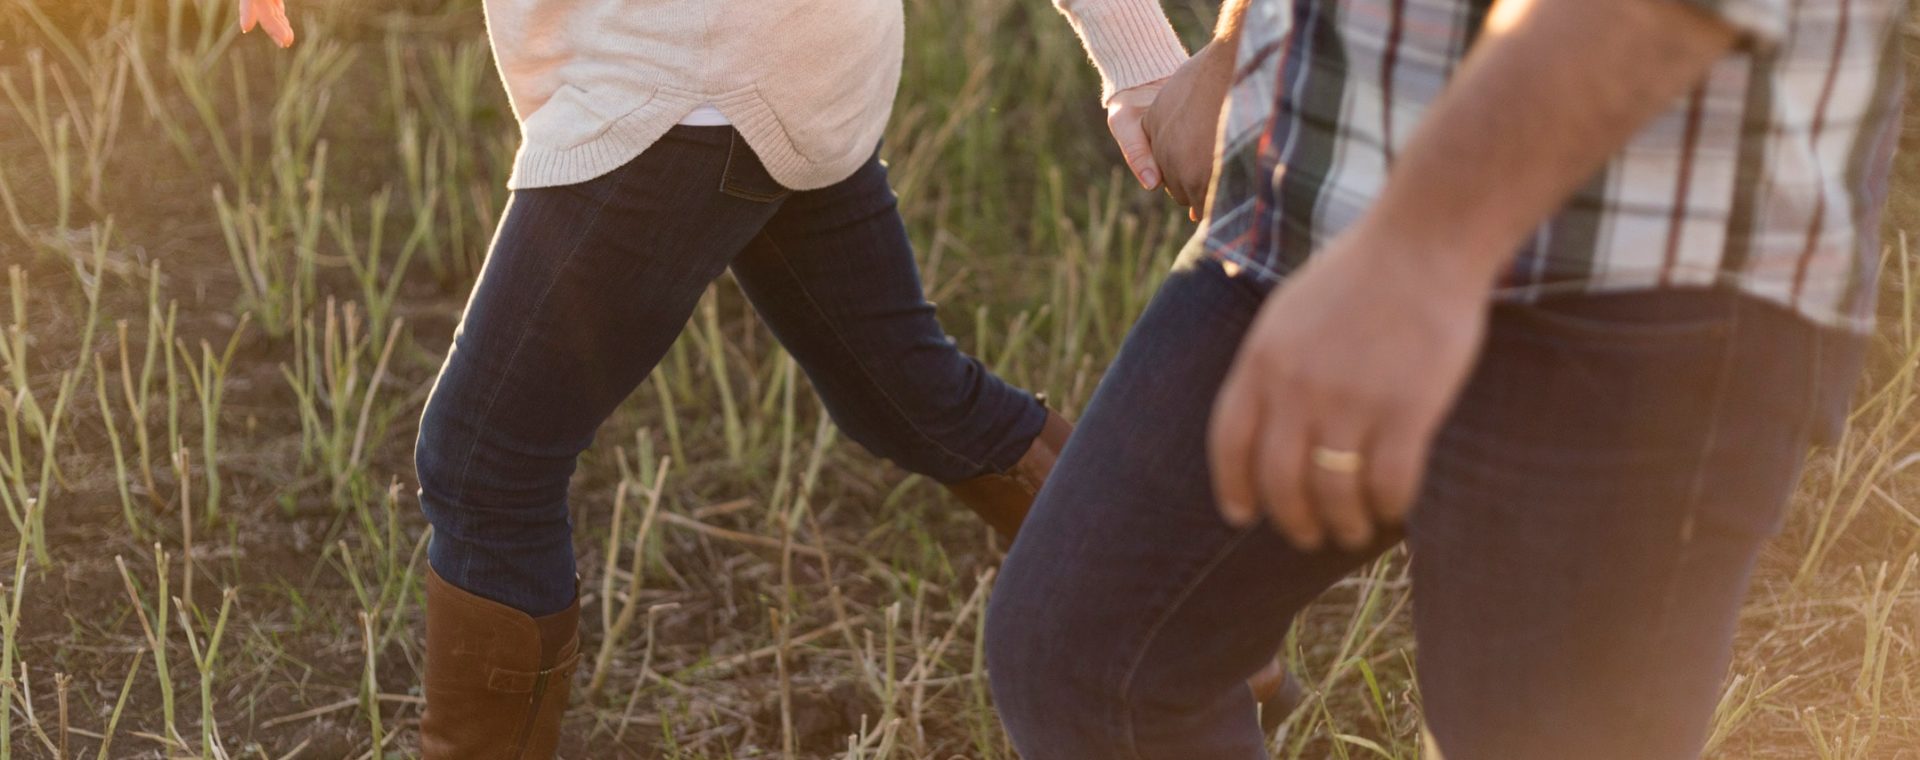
(1197, 196)
(1280, 464)
(1174, 184)
(1397, 462)
(248, 17)
(1334, 482)
(1231, 433)
(1178, 195)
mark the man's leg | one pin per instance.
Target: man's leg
(1580, 547)
(1129, 615)
(586, 288)
(1594, 507)
(833, 275)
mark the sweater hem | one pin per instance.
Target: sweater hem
(537, 166)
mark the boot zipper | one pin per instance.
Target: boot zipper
(533, 715)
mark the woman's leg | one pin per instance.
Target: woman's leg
(833, 275)
(586, 288)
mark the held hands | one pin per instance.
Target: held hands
(270, 15)
(1166, 128)
(1183, 123)
(1324, 422)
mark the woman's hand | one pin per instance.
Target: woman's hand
(1126, 113)
(1183, 124)
(270, 15)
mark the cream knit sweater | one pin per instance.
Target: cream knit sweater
(809, 83)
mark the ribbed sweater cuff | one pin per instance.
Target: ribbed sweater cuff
(1130, 41)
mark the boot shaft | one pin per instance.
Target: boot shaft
(498, 680)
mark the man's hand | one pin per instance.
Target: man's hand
(1326, 418)
(270, 15)
(1183, 123)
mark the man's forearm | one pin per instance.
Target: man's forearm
(1231, 14)
(1553, 89)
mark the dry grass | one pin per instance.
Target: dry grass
(231, 271)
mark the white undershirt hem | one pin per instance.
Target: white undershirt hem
(705, 116)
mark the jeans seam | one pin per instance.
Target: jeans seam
(493, 397)
(1816, 389)
(1696, 490)
(801, 287)
(1132, 742)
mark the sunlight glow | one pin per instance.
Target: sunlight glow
(1506, 14)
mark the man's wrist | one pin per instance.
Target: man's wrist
(1219, 55)
(1232, 13)
(1460, 266)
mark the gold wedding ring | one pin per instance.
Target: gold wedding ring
(1335, 460)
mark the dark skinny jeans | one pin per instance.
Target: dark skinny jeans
(1590, 515)
(587, 286)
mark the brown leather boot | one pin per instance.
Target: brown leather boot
(1003, 499)
(497, 680)
(1277, 692)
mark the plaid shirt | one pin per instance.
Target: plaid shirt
(1770, 177)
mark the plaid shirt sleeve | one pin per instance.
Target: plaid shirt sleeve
(1769, 177)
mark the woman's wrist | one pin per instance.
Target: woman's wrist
(1130, 42)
